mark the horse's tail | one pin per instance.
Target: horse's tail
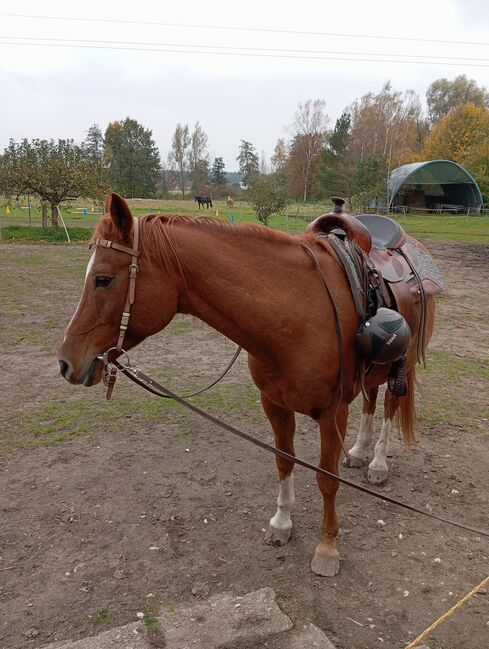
(407, 409)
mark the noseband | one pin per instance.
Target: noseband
(110, 369)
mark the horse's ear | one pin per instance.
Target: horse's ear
(120, 214)
(107, 202)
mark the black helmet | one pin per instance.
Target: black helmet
(383, 338)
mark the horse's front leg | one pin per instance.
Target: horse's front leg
(283, 425)
(358, 452)
(326, 559)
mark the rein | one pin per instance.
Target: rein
(144, 381)
(141, 379)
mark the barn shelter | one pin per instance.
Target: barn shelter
(435, 185)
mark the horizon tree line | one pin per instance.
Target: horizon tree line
(373, 135)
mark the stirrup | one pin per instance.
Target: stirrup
(397, 381)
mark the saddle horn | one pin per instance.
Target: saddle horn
(339, 220)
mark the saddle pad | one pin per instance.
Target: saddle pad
(425, 265)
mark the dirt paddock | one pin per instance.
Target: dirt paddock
(109, 509)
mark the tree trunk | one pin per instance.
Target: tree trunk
(54, 217)
(44, 216)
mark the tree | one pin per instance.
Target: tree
(387, 125)
(165, 182)
(54, 171)
(198, 159)
(370, 181)
(279, 164)
(456, 135)
(477, 163)
(248, 161)
(337, 166)
(132, 158)
(218, 175)
(178, 155)
(309, 134)
(280, 156)
(263, 169)
(443, 95)
(265, 198)
(94, 142)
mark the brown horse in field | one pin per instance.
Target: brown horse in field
(262, 290)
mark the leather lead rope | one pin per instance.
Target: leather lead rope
(159, 390)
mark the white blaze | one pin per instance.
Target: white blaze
(87, 272)
(89, 265)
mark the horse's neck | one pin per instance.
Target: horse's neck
(244, 285)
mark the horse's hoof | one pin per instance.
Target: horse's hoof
(354, 463)
(325, 566)
(377, 476)
(278, 537)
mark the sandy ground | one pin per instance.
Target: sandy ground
(111, 509)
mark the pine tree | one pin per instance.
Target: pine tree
(248, 161)
(218, 175)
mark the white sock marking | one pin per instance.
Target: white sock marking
(379, 463)
(285, 502)
(364, 437)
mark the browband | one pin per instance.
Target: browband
(104, 243)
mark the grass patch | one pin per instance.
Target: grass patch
(22, 234)
(454, 390)
(180, 327)
(100, 617)
(474, 229)
(60, 421)
(32, 337)
(226, 397)
(455, 367)
(150, 619)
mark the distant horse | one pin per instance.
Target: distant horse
(230, 202)
(276, 307)
(203, 200)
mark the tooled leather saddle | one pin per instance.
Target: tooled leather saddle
(384, 268)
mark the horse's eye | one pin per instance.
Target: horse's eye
(103, 282)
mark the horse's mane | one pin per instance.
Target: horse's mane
(157, 234)
(159, 221)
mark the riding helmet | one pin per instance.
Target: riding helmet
(383, 338)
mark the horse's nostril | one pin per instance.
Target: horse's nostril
(63, 368)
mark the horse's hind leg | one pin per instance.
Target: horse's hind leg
(358, 452)
(378, 470)
(326, 559)
(283, 424)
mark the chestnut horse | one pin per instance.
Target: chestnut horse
(261, 289)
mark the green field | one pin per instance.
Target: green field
(473, 228)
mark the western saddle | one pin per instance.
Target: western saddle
(383, 268)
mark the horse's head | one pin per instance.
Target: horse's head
(95, 325)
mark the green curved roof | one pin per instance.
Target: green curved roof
(434, 172)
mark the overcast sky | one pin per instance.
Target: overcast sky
(58, 92)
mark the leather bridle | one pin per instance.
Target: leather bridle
(111, 369)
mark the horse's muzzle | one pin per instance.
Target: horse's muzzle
(92, 376)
